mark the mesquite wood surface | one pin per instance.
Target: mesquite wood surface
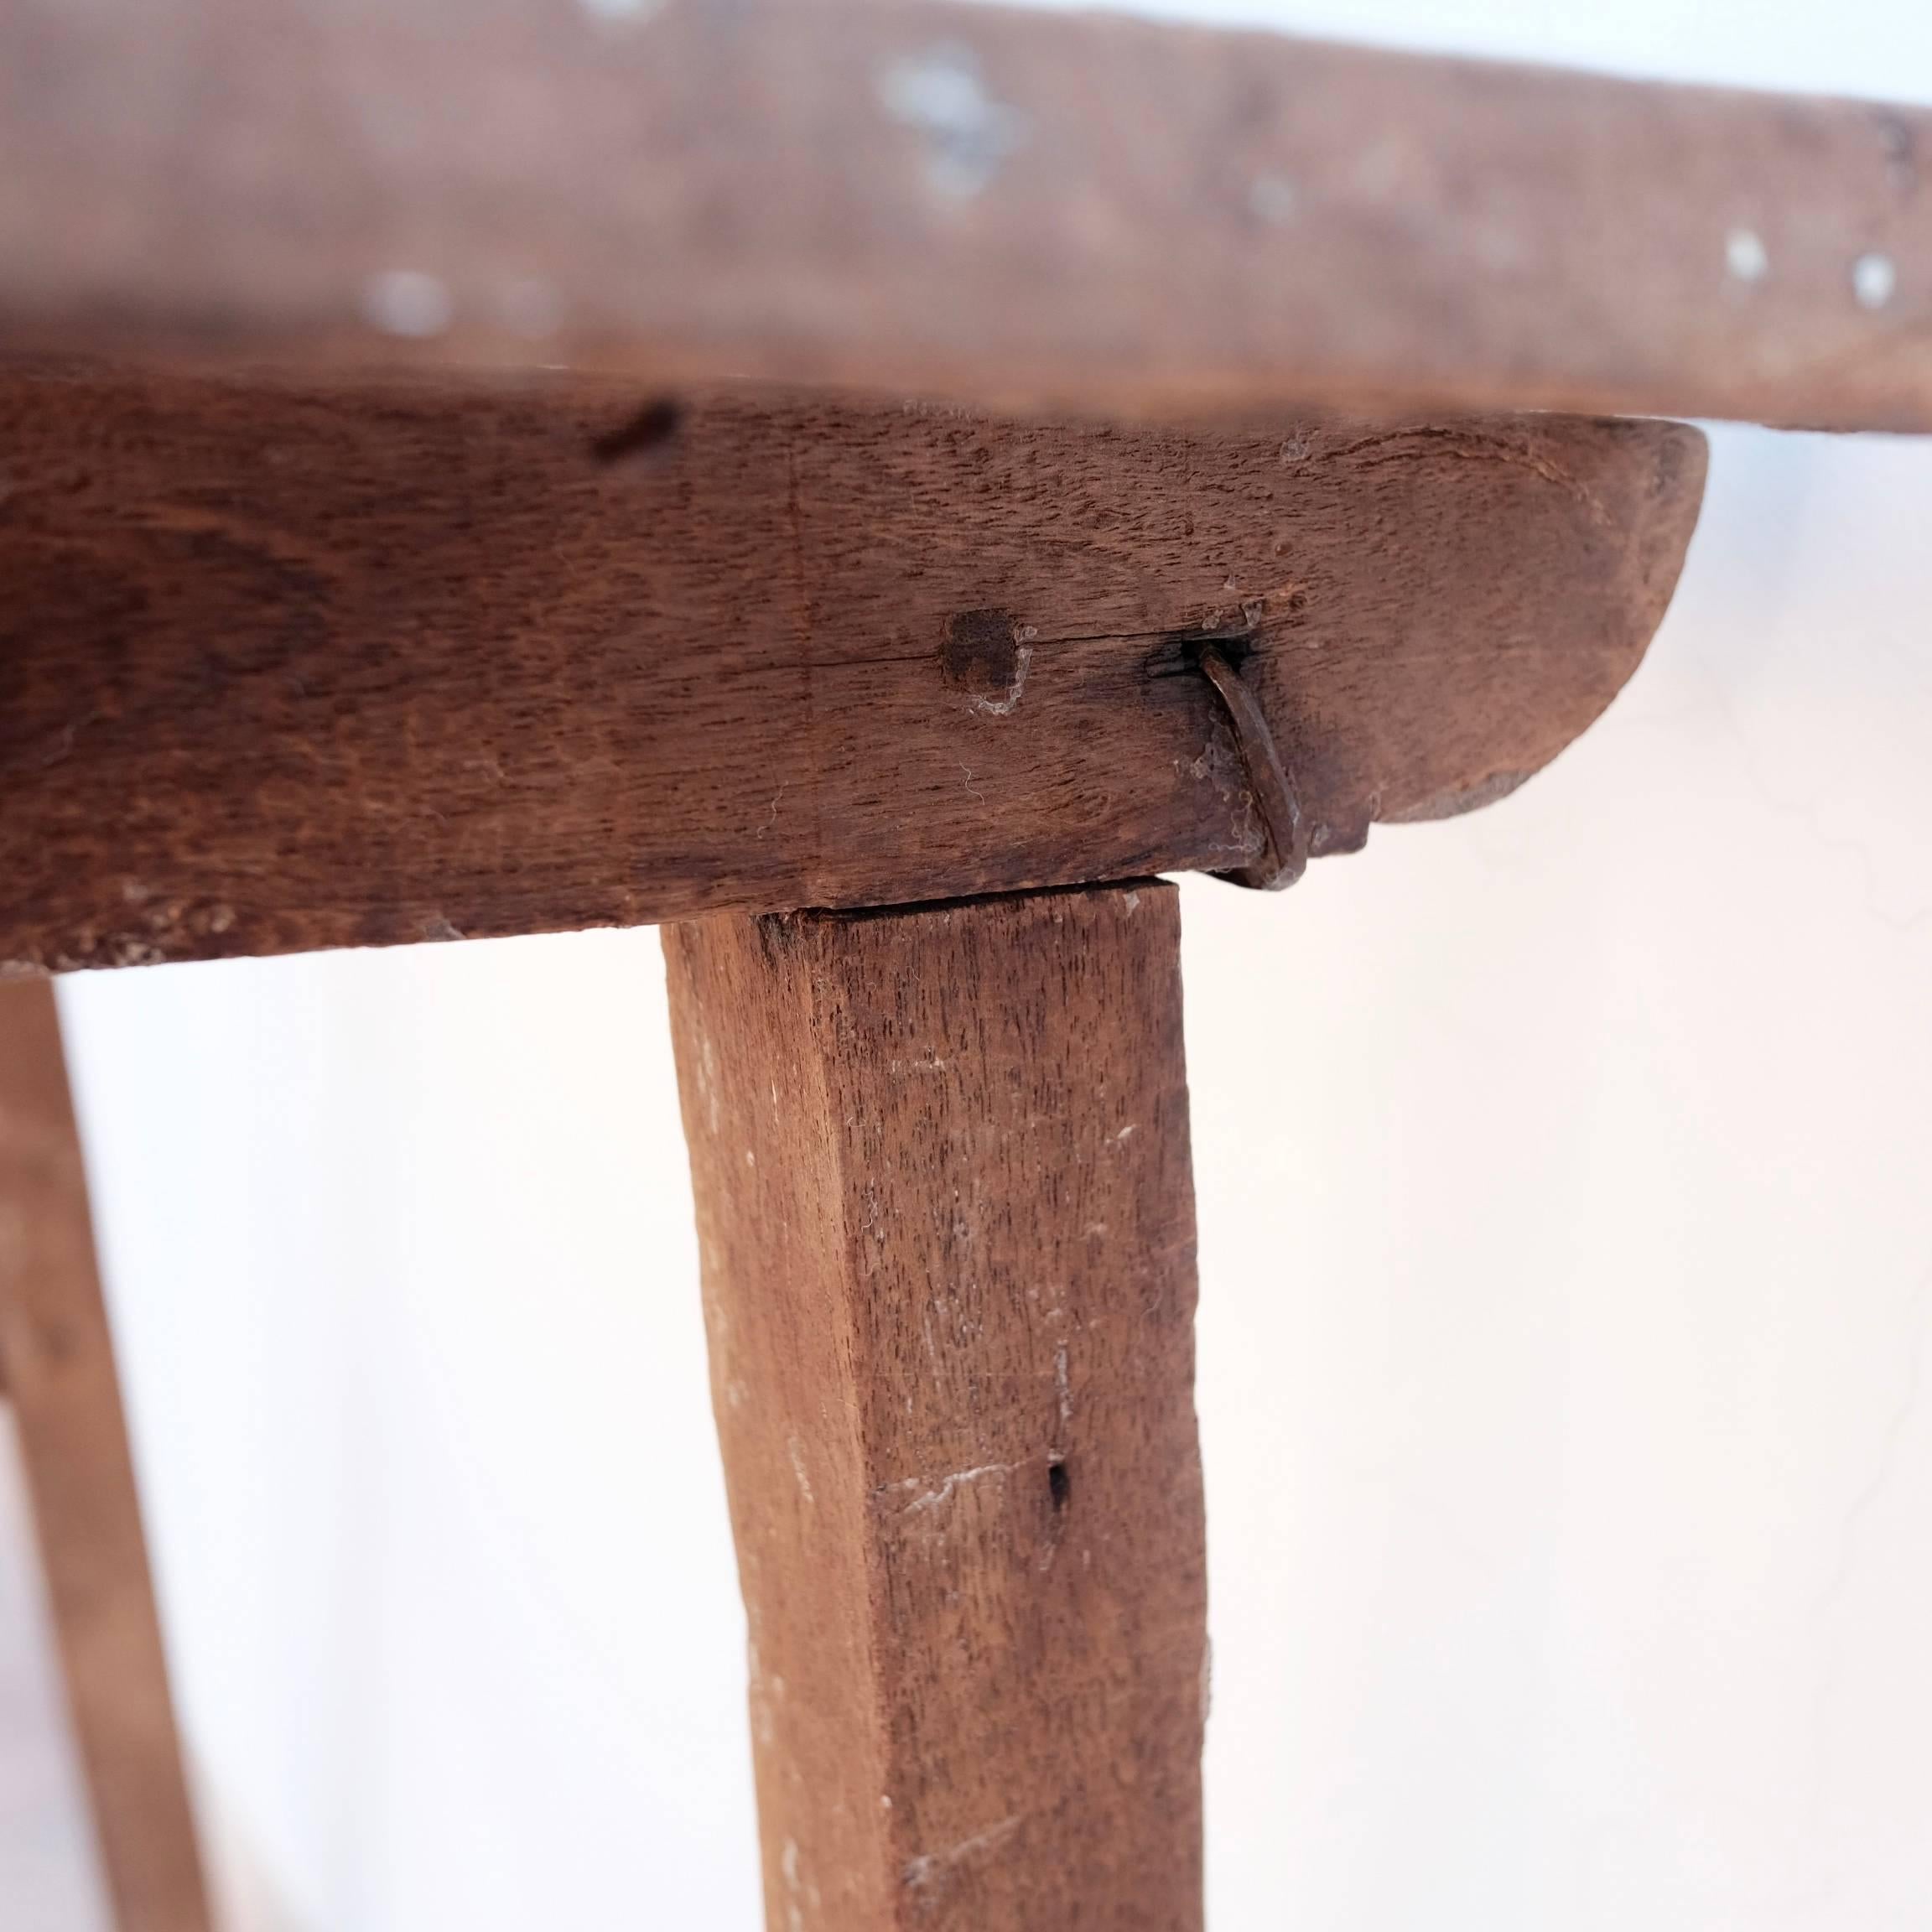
(946, 1220)
(59, 1363)
(287, 668)
(1013, 207)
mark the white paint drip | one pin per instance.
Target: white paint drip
(932, 1498)
(929, 1865)
(798, 1893)
(1004, 707)
(708, 1081)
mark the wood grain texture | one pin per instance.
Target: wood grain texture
(1002, 206)
(66, 1397)
(946, 1224)
(283, 670)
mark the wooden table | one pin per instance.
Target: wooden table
(869, 487)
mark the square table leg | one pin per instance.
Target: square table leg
(946, 1219)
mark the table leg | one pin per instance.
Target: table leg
(947, 1223)
(59, 1362)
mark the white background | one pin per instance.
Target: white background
(1566, 1288)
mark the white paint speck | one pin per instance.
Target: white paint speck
(1745, 256)
(1271, 198)
(1873, 279)
(627, 10)
(798, 1455)
(968, 134)
(406, 302)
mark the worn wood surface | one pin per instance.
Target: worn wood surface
(947, 1225)
(61, 1378)
(1004, 206)
(281, 672)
